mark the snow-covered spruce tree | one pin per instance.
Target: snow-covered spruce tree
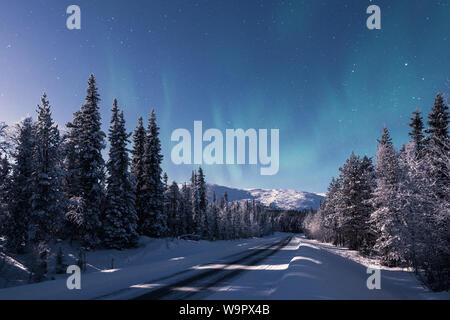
(237, 220)
(4, 139)
(416, 133)
(432, 174)
(202, 222)
(367, 187)
(229, 233)
(21, 188)
(138, 170)
(255, 216)
(412, 206)
(332, 221)
(165, 182)
(438, 147)
(90, 143)
(72, 157)
(47, 199)
(71, 164)
(186, 208)
(174, 214)
(213, 219)
(120, 219)
(5, 184)
(246, 220)
(386, 220)
(154, 222)
(352, 209)
(195, 203)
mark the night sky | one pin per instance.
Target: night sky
(309, 68)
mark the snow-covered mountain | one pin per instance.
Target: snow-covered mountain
(275, 198)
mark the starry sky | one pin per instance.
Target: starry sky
(310, 68)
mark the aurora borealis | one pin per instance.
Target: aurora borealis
(308, 68)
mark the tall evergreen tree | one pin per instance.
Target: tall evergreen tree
(4, 143)
(416, 133)
(213, 219)
(196, 218)
(47, 199)
(438, 149)
(72, 156)
(138, 170)
(332, 222)
(5, 184)
(154, 222)
(21, 187)
(438, 120)
(120, 218)
(174, 214)
(90, 143)
(186, 208)
(432, 178)
(386, 219)
(202, 226)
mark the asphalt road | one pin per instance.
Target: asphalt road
(195, 284)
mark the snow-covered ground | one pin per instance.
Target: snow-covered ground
(265, 268)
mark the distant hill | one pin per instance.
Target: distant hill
(274, 198)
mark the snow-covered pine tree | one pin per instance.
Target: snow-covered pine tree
(213, 219)
(350, 200)
(120, 218)
(202, 223)
(165, 182)
(138, 170)
(154, 222)
(71, 145)
(438, 148)
(367, 187)
(174, 214)
(416, 133)
(332, 221)
(246, 220)
(432, 175)
(186, 208)
(21, 188)
(5, 184)
(91, 142)
(46, 202)
(71, 164)
(195, 203)
(386, 219)
(237, 219)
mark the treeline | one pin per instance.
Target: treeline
(58, 186)
(399, 208)
(290, 220)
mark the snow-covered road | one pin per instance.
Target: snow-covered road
(293, 268)
(282, 266)
(307, 269)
